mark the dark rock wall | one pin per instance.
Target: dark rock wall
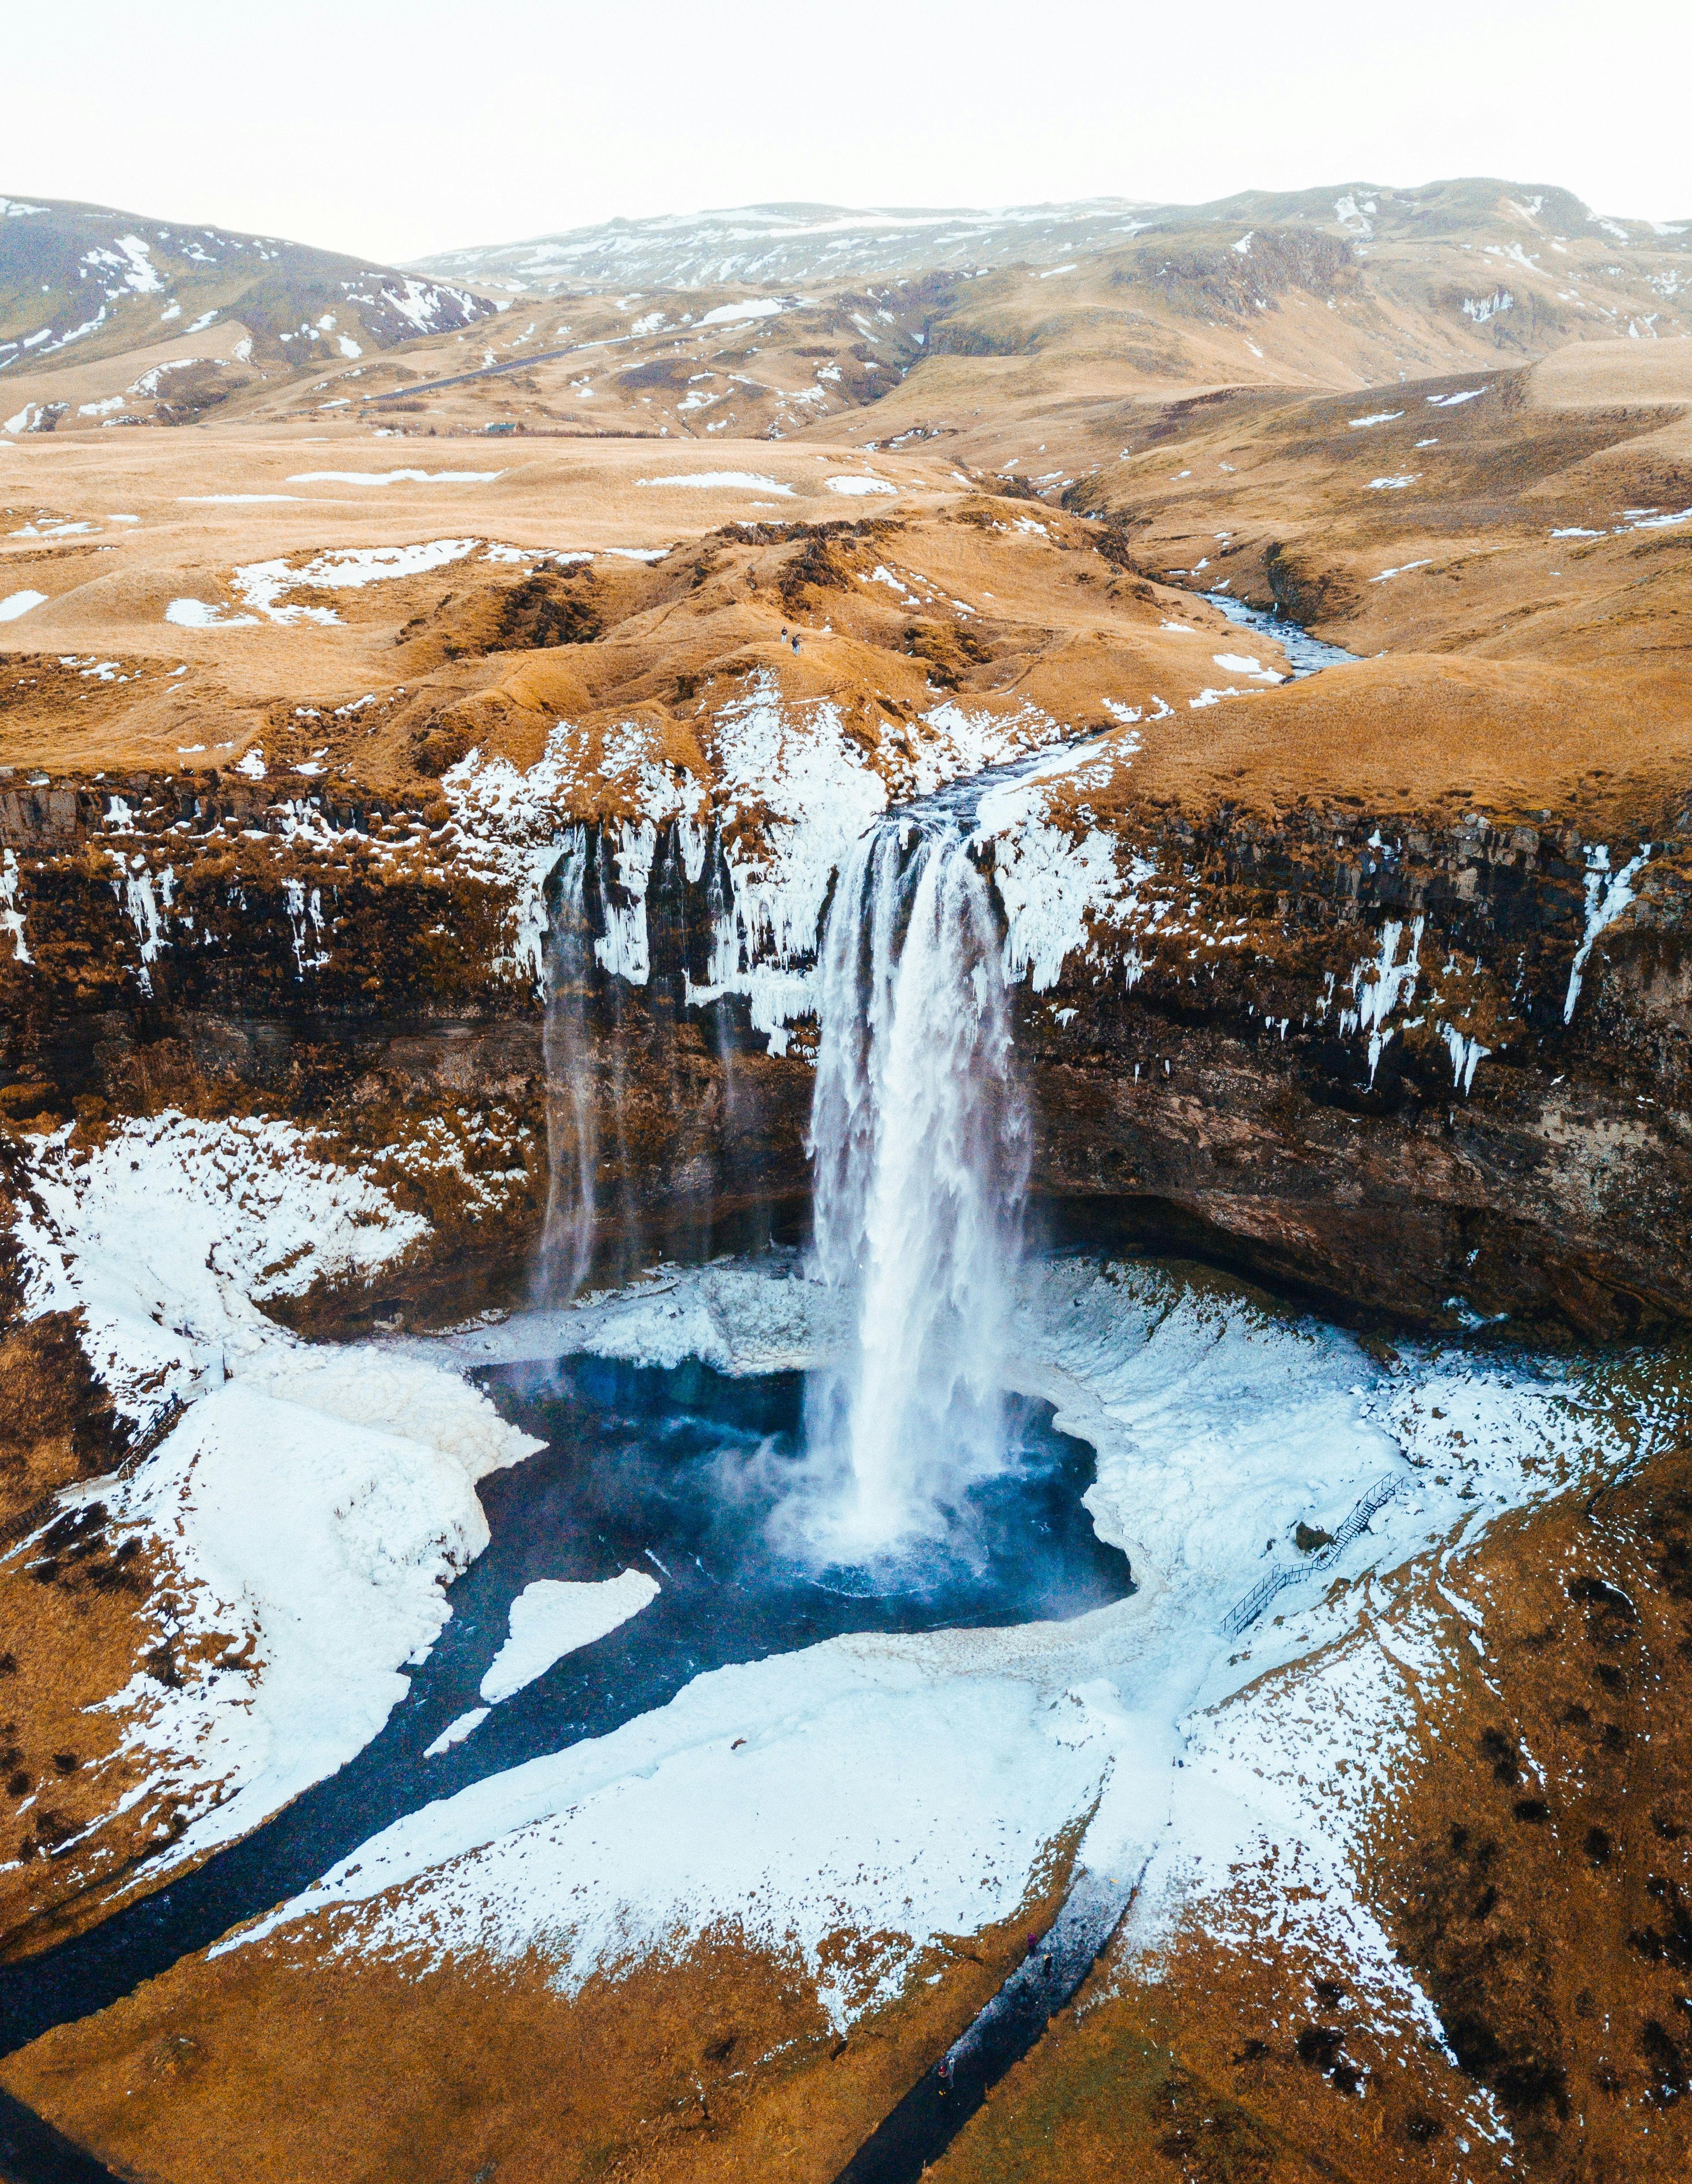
(1227, 1098)
(1206, 1078)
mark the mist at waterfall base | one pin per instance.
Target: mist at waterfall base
(691, 1475)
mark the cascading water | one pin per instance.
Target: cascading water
(920, 1142)
(642, 1129)
(567, 1238)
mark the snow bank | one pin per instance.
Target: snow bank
(262, 585)
(857, 1766)
(907, 1788)
(724, 482)
(739, 1316)
(312, 1506)
(172, 1235)
(735, 315)
(394, 477)
(202, 614)
(310, 1552)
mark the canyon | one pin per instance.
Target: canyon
(439, 897)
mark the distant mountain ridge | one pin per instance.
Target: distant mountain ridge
(78, 281)
(773, 245)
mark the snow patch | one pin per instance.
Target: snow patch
(394, 477)
(551, 1618)
(202, 613)
(724, 482)
(735, 315)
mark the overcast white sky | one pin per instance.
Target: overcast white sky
(393, 130)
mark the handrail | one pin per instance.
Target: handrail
(1244, 1613)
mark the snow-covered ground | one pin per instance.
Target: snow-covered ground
(173, 1234)
(911, 1787)
(312, 1504)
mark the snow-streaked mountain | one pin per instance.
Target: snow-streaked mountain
(776, 245)
(82, 280)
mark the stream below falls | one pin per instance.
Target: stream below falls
(676, 1472)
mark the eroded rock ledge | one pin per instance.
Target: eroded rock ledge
(1426, 1064)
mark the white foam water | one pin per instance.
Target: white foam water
(566, 1240)
(919, 1139)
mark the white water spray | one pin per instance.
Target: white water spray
(920, 1141)
(566, 1239)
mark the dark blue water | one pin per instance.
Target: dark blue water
(678, 1472)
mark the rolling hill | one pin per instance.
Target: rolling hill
(80, 283)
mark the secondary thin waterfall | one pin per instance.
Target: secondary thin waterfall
(919, 1139)
(642, 1129)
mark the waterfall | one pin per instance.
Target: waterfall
(567, 1236)
(636, 1086)
(592, 1020)
(920, 1144)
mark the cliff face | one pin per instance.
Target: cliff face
(1405, 1065)
(1420, 1067)
(373, 1001)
